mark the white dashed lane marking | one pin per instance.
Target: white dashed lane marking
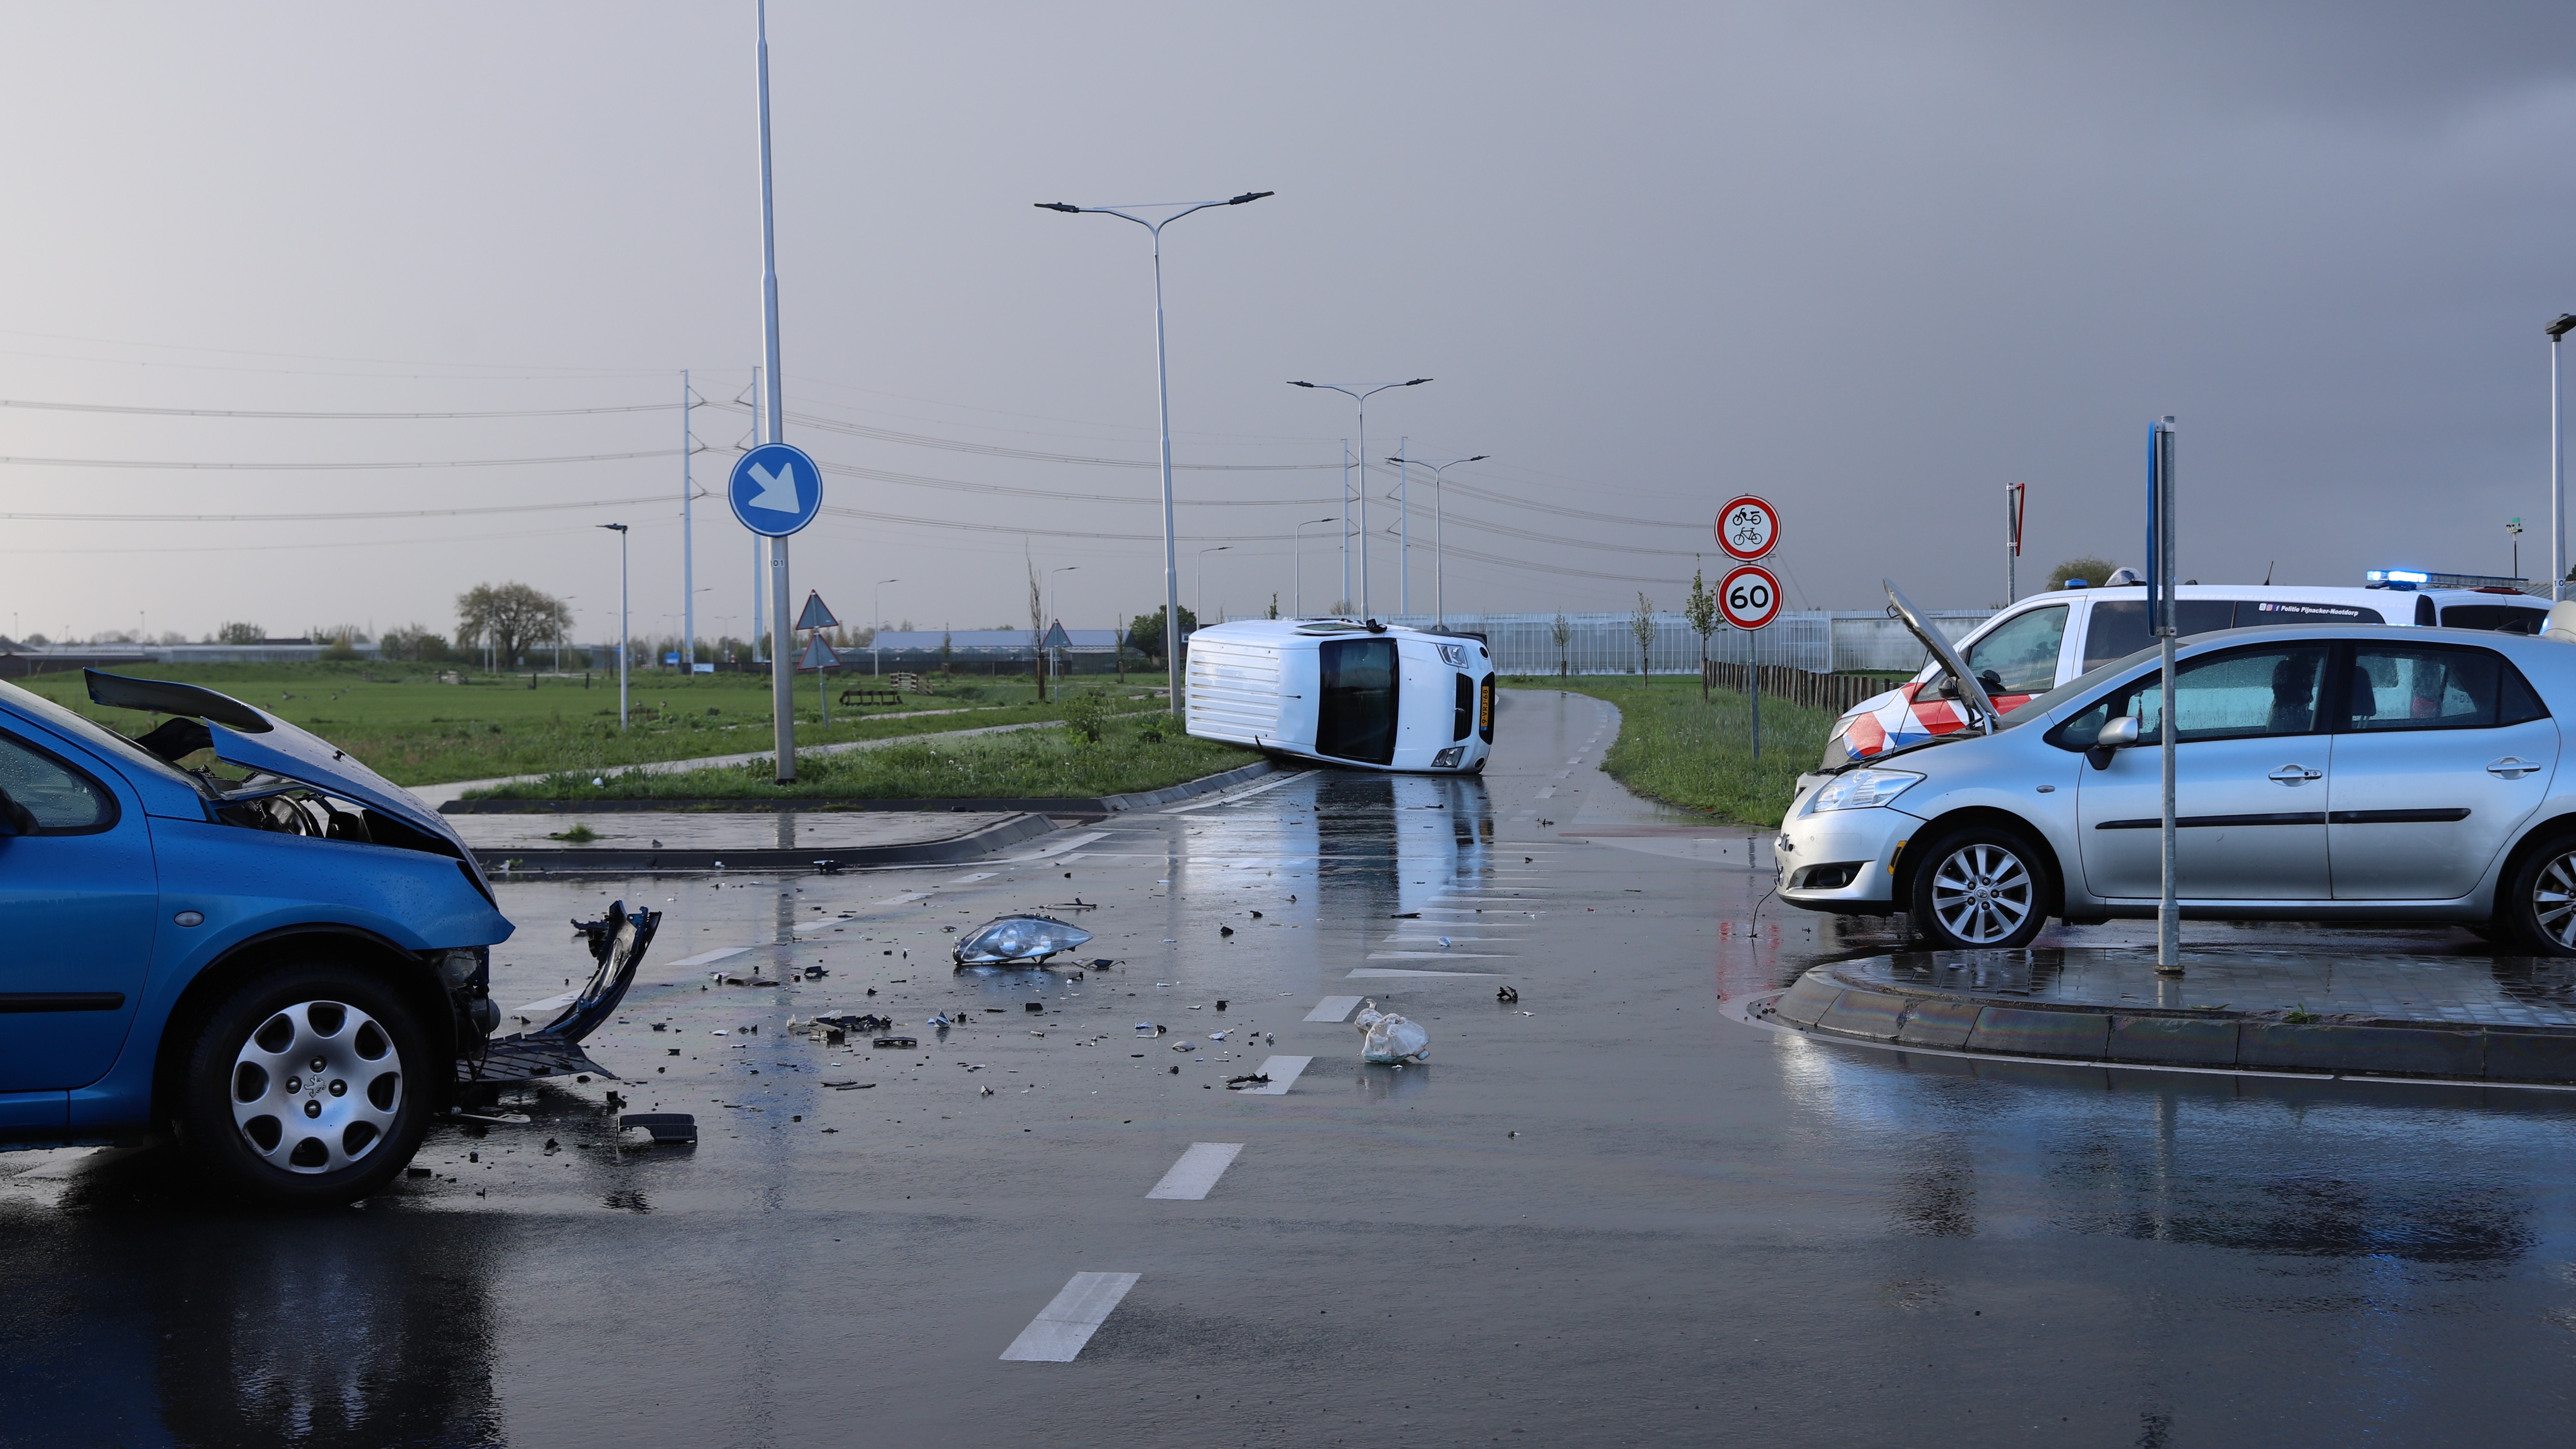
(1370, 972)
(1191, 1178)
(1333, 1008)
(1061, 1328)
(1282, 1072)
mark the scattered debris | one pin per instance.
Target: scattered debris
(415, 1172)
(868, 1022)
(1225, 930)
(896, 1041)
(670, 1127)
(1216, 1036)
(984, 1091)
(1257, 1079)
(1256, 915)
(1031, 1006)
(1182, 1046)
(1508, 996)
(1406, 916)
(1220, 1003)
(1388, 1038)
(1100, 963)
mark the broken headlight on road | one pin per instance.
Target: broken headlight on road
(1017, 940)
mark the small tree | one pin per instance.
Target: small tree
(1145, 632)
(2091, 570)
(1701, 611)
(239, 633)
(1642, 625)
(1562, 631)
(1274, 605)
(511, 618)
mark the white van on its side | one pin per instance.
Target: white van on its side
(1345, 692)
(2047, 639)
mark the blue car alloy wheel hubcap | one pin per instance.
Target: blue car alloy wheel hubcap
(316, 1087)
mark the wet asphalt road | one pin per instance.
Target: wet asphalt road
(1605, 1215)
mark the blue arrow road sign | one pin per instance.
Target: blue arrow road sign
(775, 489)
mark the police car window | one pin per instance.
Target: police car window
(2119, 626)
(2396, 688)
(2021, 653)
(60, 798)
(2500, 618)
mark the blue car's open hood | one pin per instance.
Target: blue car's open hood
(246, 735)
(297, 754)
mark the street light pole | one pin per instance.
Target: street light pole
(622, 628)
(1403, 529)
(1361, 393)
(688, 540)
(1440, 532)
(2557, 467)
(876, 625)
(1198, 584)
(1301, 559)
(1163, 397)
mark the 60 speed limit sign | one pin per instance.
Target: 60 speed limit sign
(1749, 597)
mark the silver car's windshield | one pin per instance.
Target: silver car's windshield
(97, 736)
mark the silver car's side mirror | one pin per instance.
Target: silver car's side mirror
(2116, 735)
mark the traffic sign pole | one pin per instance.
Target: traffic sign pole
(782, 655)
(1749, 596)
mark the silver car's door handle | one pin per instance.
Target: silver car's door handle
(2296, 774)
(2512, 767)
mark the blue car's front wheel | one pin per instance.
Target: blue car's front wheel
(309, 1084)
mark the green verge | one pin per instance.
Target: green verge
(1675, 749)
(414, 730)
(1023, 764)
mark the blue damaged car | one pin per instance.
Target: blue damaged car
(227, 933)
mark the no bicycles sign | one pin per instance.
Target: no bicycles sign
(1748, 527)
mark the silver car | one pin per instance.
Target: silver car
(2322, 772)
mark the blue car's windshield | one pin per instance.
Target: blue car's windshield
(97, 736)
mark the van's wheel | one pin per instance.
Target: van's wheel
(310, 1084)
(1979, 888)
(2539, 903)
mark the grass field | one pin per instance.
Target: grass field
(1024, 763)
(414, 730)
(1675, 749)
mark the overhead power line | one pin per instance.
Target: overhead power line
(336, 517)
(331, 467)
(67, 407)
(874, 517)
(992, 450)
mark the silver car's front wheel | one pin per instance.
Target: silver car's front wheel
(1979, 889)
(316, 1087)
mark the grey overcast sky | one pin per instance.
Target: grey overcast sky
(1871, 260)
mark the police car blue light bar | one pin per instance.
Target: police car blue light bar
(2426, 579)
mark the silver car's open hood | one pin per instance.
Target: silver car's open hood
(1944, 652)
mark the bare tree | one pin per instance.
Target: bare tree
(1701, 611)
(1563, 632)
(509, 617)
(1642, 625)
(1037, 629)
(238, 633)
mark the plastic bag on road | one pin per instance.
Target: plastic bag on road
(1389, 1038)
